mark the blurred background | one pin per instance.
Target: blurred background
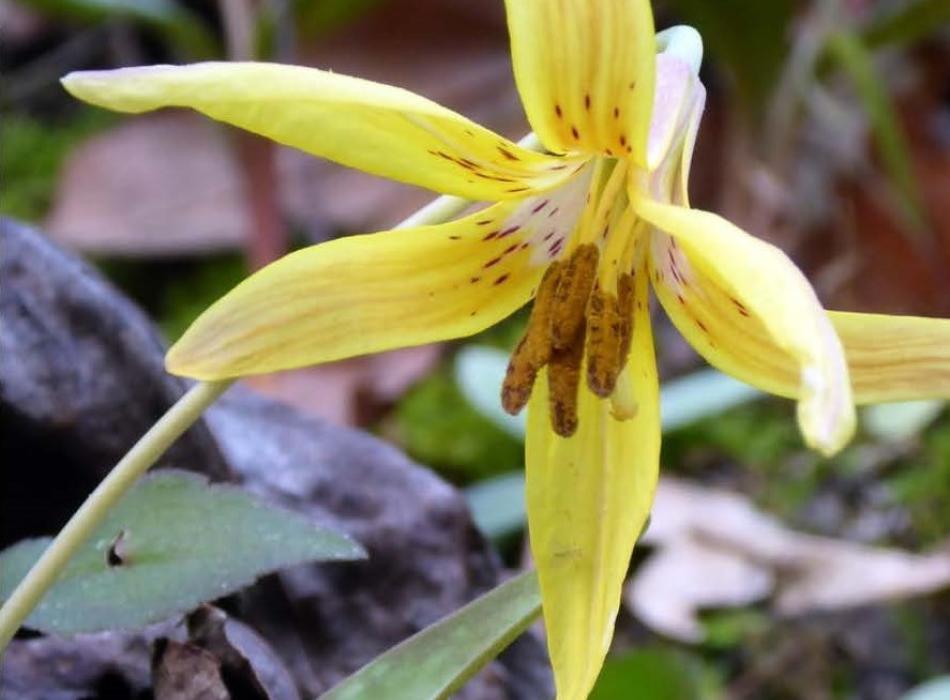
(770, 572)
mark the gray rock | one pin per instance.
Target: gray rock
(81, 379)
(425, 557)
(106, 665)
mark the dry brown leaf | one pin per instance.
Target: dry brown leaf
(350, 392)
(162, 184)
(186, 672)
(715, 549)
(167, 184)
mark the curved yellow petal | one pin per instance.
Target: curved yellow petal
(748, 310)
(378, 128)
(585, 71)
(364, 294)
(895, 358)
(588, 497)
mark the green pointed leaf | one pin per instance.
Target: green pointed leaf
(438, 660)
(171, 543)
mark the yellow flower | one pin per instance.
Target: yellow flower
(585, 230)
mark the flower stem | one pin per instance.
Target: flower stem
(135, 463)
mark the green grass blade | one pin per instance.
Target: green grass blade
(438, 660)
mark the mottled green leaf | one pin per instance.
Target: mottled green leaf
(170, 544)
(438, 660)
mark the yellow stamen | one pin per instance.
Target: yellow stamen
(626, 287)
(534, 350)
(604, 334)
(564, 374)
(573, 290)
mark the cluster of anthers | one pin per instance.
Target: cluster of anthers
(583, 308)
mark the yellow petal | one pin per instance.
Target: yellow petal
(585, 71)
(364, 294)
(895, 358)
(748, 310)
(378, 128)
(588, 497)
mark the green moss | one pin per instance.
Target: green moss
(656, 672)
(175, 291)
(758, 434)
(31, 154)
(921, 483)
(437, 426)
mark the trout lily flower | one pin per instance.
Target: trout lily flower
(584, 229)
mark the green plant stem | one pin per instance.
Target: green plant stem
(136, 462)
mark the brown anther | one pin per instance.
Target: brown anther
(573, 291)
(604, 337)
(626, 298)
(534, 350)
(564, 375)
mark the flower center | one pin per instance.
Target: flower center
(583, 308)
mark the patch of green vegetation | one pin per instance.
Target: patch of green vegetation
(175, 292)
(921, 483)
(733, 627)
(758, 434)
(31, 153)
(655, 672)
(193, 293)
(505, 334)
(437, 426)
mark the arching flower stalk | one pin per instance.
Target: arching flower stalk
(585, 230)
